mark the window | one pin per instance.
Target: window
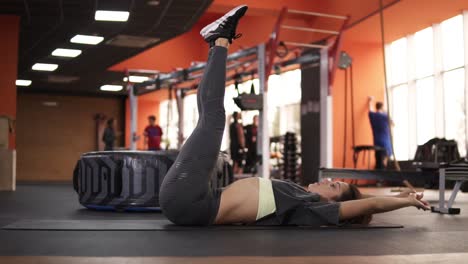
(455, 107)
(428, 86)
(190, 114)
(284, 98)
(169, 124)
(424, 48)
(399, 68)
(400, 117)
(289, 119)
(452, 42)
(425, 110)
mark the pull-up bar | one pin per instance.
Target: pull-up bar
(228, 67)
(306, 45)
(185, 72)
(293, 11)
(310, 29)
(143, 71)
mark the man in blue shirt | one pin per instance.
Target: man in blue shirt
(381, 131)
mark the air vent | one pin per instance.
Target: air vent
(153, 2)
(131, 41)
(62, 79)
(50, 103)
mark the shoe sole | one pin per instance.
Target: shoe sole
(218, 21)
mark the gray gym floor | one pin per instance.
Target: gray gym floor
(423, 232)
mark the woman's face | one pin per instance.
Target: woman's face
(328, 190)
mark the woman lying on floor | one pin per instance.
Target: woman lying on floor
(187, 199)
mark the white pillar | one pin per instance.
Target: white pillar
(263, 140)
(438, 81)
(465, 40)
(133, 99)
(180, 110)
(326, 116)
(412, 94)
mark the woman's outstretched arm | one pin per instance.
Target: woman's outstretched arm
(404, 193)
(375, 205)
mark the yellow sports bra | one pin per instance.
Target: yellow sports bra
(266, 198)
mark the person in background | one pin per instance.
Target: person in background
(153, 134)
(251, 144)
(237, 142)
(109, 135)
(380, 124)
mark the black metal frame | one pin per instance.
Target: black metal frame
(184, 75)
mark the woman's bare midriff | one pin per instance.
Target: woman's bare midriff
(239, 202)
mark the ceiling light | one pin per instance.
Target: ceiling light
(136, 79)
(112, 88)
(85, 39)
(23, 82)
(71, 53)
(104, 15)
(44, 67)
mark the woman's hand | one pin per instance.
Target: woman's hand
(406, 192)
(415, 199)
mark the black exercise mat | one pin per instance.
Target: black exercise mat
(157, 225)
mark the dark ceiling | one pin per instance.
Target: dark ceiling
(50, 24)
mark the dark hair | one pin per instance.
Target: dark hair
(235, 115)
(110, 121)
(378, 105)
(353, 193)
(152, 117)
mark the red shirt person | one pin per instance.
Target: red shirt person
(153, 134)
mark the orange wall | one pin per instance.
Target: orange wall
(261, 7)
(368, 81)
(256, 30)
(9, 26)
(178, 52)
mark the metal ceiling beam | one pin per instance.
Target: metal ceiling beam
(164, 80)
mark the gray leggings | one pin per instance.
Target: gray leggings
(185, 195)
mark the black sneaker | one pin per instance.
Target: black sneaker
(224, 27)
